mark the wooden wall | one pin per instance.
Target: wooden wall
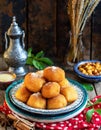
(8, 9)
(47, 27)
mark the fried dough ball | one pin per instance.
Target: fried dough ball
(64, 83)
(50, 89)
(56, 102)
(22, 93)
(70, 93)
(40, 73)
(37, 101)
(54, 74)
(33, 82)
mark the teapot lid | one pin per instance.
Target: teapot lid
(14, 28)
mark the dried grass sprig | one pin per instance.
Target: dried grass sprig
(79, 11)
(87, 13)
(93, 7)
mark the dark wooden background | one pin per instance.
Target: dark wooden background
(46, 25)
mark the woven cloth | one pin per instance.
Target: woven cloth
(76, 123)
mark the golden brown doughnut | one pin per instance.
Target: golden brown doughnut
(40, 73)
(70, 93)
(22, 93)
(37, 101)
(54, 74)
(56, 102)
(50, 89)
(33, 82)
(64, 83)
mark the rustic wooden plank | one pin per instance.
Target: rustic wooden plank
(98, 88)
(2, 96)
(8, 9)
(42, 26)
(96, 33)
(62, 29)
(3, 65)
(91, 94)
(86, 38)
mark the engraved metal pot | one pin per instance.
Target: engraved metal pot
(15, 55)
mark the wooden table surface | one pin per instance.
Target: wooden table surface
(69, 74)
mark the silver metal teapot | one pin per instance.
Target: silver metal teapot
(15, 55)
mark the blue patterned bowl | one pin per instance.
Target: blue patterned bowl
(89, 78)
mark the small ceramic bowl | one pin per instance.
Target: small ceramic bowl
(6, 78)
(85, 73)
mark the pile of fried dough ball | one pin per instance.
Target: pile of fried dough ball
(46, 89)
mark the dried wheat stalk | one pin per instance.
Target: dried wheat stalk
(79, 11)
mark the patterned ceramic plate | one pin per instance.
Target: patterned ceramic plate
(80, 90)
(44, 118)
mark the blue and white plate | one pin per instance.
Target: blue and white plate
(44, 118)
(81, 94)
(88, 78)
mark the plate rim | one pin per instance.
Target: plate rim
(48, 112)
(44, 118)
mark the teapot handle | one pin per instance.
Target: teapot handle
(23, 36)
(6, 44)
